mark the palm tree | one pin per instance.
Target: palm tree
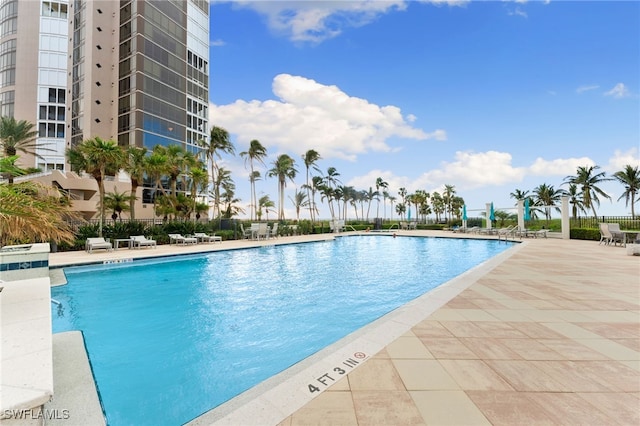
(9, 168)
(176, 164)
(228, 198)
(437, 204)
(30, 212)
(314, 187)
(331, 181)
(118, 202)
(135, 168)
(380, 183)
(547, 196)
(98, 158)
(310, 159)
(420, 198)
(392, 200)
(219, 142)
(283, 168)
(447, 195)
(402, 192)
(198, 179)
(264, 203)
(18, 136)
(156, 168)
(519, 194)
(256, 152)
(575, 199)
(587, 179)
(299, 201)
(629, 177)
(370, 196)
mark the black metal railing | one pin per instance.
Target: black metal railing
(626, 222)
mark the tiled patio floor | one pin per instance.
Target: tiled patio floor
(551, 336)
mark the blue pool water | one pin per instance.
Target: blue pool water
(172, 338)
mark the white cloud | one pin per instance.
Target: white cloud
(583, 89)
(558, 167)
(310, 115)
(447, 2)
(622, 158)
(316, 21)
(518, 12)
(217, 43)
(618, 91)
(472, 170)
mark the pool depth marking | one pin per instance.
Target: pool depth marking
(327, 380)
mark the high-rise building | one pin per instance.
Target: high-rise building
(139, 71)
(33, 73)
(135, 71)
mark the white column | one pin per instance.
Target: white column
(566, 227)
(520, 214)
(488, 208)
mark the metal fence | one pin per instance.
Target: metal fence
(626, 222)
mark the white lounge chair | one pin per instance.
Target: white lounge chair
(273, 232)
(336, 225)
(263, 231)
(202, 237)
(142, 241)
(179, 239)
(608, 237)
(97, 243)
(246, 233)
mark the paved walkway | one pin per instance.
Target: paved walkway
(549, 336)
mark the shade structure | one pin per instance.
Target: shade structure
(492, 214)
(464, 212)
(527, 211)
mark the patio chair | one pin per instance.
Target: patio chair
(179, 239)
(263, 231)
(273, 232)
(617, 236)
(97, 243)
(201, 236)
(142, 241)
(246, 233)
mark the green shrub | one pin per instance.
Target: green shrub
(585, 234)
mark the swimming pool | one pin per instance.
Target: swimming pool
(172, 338)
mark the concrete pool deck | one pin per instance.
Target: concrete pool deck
(548, 334)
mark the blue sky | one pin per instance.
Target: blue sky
(486, 96)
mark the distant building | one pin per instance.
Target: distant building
(133, 71)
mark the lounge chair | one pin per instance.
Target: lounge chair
(273, 232)
(179, 239)
(97, 243)
(246, 233)
(202, 237)
(542, 233)
(605, 235)
(336, 226)
(263, 231)
(617, 236)
(142, 241)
